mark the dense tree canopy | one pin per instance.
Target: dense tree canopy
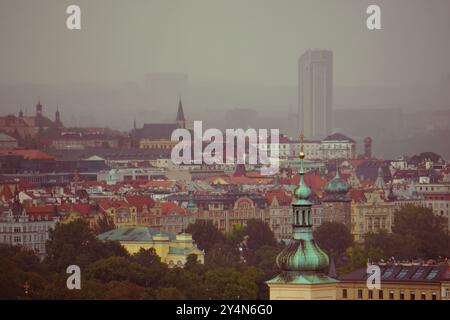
(109, 272)
(334, 238)
(417, 233)
(237, 263)
(205, 234)
(76, 244)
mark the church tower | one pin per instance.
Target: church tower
(58, 122)
(336, 202)
(39, 109)
(302, 263)
(181, 121)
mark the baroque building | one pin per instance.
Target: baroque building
(371, 212)
(26, 227)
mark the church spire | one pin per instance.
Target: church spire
(181, 121)
(57, 116)
(379, 183)
(302, 254)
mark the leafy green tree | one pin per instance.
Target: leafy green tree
(359, 257)
(76, 244)
(265, 260)
(416, 233)
(222, 255)
(104, 224)
(125, 290)
(20, 268)
(147, 258)
(334, 238)
(205, 234)
(257, 235)
(236, 236)
(171, 293)
(419, 228)
(191, 262)
(229, 284)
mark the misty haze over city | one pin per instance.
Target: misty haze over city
(234, 64)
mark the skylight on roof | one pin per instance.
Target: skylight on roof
(433, 273)
(419, 273)
(402, 274)
(388, 273)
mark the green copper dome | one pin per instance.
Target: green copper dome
(302, 255)
(302, 192)
(337, 185)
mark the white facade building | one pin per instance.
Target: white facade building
(338, 146)
(18, 228)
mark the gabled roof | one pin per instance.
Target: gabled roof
(168, 207)
(6, 138)
(283, 197)
(338, 137)
(140, 201)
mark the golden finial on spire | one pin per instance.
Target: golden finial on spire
(301, 154)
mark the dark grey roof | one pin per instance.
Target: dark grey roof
(156, 131)
(111, 154)
(402, 273)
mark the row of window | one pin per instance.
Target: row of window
(390, 294)
(6, 229)
(25, 238)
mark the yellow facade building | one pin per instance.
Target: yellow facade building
(371, 213)
(173, 249)
(397, 282)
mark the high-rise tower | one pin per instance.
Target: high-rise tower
(302, 262)
(315, 93)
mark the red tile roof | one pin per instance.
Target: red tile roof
(357, 195)
(28, 154)
(284, 198)
(139, 201)
(84, 209)
(171, 207)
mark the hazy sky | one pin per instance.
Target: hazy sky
(223, 41)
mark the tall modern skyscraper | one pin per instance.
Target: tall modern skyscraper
(315, 93)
